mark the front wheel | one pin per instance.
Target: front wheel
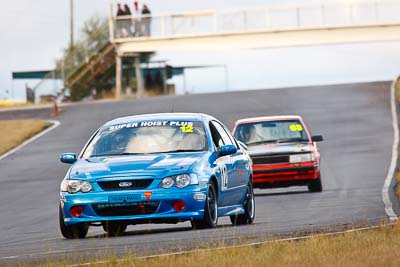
(249, 206)
(210, 211)
(315, 185)
(71, 231)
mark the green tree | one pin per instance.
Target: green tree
(93, 39)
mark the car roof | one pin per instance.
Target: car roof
(162, 116)
(269, 118)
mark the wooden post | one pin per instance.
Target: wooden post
(184, 83)
(118, 78)
(71, 7)
(139, 78)
(164, 76)
(111, 22)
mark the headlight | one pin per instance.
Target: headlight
(75, 186)
(180, 181)
(301, 158)
(167, 182)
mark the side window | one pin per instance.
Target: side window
(217, 139)
(233, 140)
(225, 137)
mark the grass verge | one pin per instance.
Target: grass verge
(398, 184)
(378, 247)
(8, 104)
(15, 132)
(397, 93)
(374, 247)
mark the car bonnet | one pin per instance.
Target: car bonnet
(154, 165)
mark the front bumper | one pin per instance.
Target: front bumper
(133, 206)
(285, 173)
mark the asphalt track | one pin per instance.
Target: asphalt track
(355, 120)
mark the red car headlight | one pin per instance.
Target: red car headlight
(301, 158)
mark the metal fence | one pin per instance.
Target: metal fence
(285, 18)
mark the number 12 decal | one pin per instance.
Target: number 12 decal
(224, 177)
(187, 129)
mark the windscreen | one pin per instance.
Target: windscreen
(148, 137)
(271, 132)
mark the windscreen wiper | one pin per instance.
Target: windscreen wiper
(289, 140)
(182, 150)
(113, 155)
(262, 142)
(103, 155)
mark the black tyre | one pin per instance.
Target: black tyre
(210, 219)
(315, 185)
(114, 229)
(249, 206)
(71, 231)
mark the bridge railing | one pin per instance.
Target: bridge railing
(282, 18)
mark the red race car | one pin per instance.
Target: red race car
(283, 151)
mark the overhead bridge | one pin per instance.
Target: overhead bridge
(254, 28)
(261, 27)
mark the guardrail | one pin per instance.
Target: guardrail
(284, 18)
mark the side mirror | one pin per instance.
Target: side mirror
(68, 158)
(317, 138)
(227, 150)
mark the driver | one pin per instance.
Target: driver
(249, 134)
(120, 139)
(192, 141)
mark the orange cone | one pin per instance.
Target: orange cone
(55, 111)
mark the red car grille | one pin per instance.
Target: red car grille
(260, 160)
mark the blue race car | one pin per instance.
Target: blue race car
(158, 168)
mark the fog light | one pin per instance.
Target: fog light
(179, 206)
(76, 211)
(199, 196)
(148, 195)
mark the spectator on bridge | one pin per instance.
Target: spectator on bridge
(120, 22)
(127, 10)
(127, 21)
(146, 20)
(136, 6)
(136, 19)
(120, 11)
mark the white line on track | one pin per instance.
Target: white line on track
(54, 125)
(6, 243)
(253, 244)
(385, 195)
(195, 250)
(391, 173)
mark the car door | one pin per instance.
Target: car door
(242, 163)
(231, 190)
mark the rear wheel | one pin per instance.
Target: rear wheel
(249, 206)
(114, 229)
(210, 211)
(74, 231)
(315, 185)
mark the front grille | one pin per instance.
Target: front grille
(259, 160)
(115, 185)
(126, 209)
